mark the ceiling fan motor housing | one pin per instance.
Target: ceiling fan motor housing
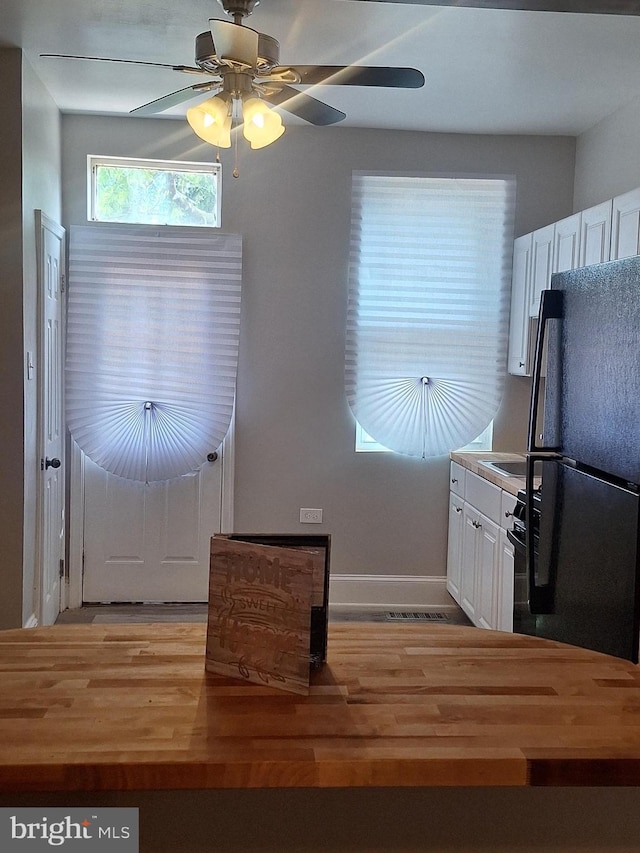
(239, 8)
(207, 59)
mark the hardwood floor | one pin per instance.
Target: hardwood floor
(105, 614)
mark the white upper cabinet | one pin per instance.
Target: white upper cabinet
(518, 325)
(566, 243)
(595, 234)
(607, 231)
(541, 265)
(625, 225)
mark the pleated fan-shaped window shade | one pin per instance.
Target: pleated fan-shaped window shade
(153, 327)
(427, 323)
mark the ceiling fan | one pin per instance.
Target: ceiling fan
(246, 80)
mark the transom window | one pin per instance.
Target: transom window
(154, 192)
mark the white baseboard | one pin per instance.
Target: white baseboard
(32, 621)
(371, 592)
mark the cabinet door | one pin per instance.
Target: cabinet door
(468, 571)
(504, 586)
(595, 234)
(454, 550)
(487, 555)
(566, 243)
(541, 265)
(457, 476)
(625, 225)
(519, 320)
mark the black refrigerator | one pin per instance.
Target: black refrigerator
(583, 523)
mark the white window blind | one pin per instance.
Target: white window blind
(427, 323)
(153, 328)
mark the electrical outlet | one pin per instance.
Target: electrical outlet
(310, 516)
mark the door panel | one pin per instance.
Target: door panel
(181, 526)
(488, 534)
(588, 556)
(149, 542)
(51, 425)
(593, 373)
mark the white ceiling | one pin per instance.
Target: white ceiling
(486, 71)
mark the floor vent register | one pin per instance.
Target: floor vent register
(415, 616)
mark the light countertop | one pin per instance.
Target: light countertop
(472, 461)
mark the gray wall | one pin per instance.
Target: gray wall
(295, 433)
(11, 351)
(30, 145)
(608, 157)
(41, 188)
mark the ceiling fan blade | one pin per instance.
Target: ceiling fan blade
(188, 68)
(174, 98)
(585, 7)
(359, 75)
(234, 42)
(304, 106)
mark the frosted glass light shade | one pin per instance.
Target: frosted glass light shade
(153, 329)
(262, 125)
(211, 121)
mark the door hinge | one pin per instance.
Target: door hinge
(63, 283)
(62, 568)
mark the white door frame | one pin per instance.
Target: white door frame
(76, 509)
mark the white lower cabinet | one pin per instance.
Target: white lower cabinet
(454, 553)
(480, 557)
(469, 568)
(488, 543)
(504, 590)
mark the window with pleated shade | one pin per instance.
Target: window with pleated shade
(428, 310)
(153, 327)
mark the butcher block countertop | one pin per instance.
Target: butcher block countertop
(129, 707)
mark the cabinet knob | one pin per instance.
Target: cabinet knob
(458, 509)
(476, 524)
(454, 480)
(521, 363)
(507, 514)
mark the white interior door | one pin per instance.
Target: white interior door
(51, 521)
(150, 542)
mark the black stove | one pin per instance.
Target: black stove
(523, 620)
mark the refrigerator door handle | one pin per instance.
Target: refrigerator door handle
(540, 596)
(550, 309)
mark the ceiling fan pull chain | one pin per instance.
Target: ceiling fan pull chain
(236, 170)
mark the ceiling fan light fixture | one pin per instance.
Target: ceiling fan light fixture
(211, 121)
(262, 125)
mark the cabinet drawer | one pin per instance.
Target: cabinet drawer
(484, 496)
(506, 510)
(457, 479)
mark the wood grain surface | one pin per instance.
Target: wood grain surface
(259, 625)
(130, 707)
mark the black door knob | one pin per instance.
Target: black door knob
(212, 457)
(52, 463)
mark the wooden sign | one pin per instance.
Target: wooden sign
(260, 612)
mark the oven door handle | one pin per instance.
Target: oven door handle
(516, 540)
